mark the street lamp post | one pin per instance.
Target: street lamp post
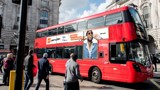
(21, 45)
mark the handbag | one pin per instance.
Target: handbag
(34, 70)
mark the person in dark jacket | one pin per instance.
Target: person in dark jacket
(43, 71)
(154, 61)
(28, 66)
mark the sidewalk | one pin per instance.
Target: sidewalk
(42, 86)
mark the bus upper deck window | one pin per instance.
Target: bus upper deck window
(71, 28)
(52, 32)
(82, 25)
(60, 30)
(112, 19)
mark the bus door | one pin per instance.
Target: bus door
(116, 68)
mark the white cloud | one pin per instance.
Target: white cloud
(96, 9)
(69, 9)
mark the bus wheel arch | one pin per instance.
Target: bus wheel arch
(50, 69)
(95, 74)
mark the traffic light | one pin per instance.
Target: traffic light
(19, 1)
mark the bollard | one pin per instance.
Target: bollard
(12, 80)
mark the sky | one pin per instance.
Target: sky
(73, 9)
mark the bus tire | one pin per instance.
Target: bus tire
(50, 69)
(96, 75)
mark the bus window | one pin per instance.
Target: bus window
(38, 34)
(68, 51)
(140, 29)
(59, 52)
(79, 51)
(51, 52)
(114, 19)
(44, 34)
(71, 28)
(40, 52)
(96, 22)
(82, 25)
(60, 30)
(52, 32)
(118, 53)
(139, 52)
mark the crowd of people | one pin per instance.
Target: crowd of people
(71, 76)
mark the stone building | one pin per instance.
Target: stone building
(150, 12)
(42, 13)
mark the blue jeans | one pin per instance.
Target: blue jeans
(28, 80)
(40, 77)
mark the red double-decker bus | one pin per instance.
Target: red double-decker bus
(112, 45)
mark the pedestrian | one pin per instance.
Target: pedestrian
(7, 66)
(154, 61)
(43, 71)
(69, 59)
(28, 68)
(72, 74)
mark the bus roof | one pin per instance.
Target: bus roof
(85, 18)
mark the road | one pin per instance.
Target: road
(56, 83)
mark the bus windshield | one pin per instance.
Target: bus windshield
(140, 29)
(138, 52)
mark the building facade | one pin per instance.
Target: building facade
(149, 10)
(42, 13)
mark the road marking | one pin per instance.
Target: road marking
(156, 84)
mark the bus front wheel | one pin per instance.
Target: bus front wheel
(96, 75)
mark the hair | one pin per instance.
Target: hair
(9, 55)
(88, 32)
(71, 54)
(30, 52)
(45, 55)
(74, 56)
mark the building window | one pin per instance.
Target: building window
(146, 15)
(44, 3)
(43, 19)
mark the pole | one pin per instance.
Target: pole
(21, 45)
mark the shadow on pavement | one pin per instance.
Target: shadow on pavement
(97, 87)
(44, 85)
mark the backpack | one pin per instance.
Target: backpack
(5, 63)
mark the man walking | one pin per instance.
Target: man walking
(154, 61)
(72, 74)
(28, 67)
(43, 71)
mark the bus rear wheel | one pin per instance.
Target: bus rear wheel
(96, 75)
(50, 69)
